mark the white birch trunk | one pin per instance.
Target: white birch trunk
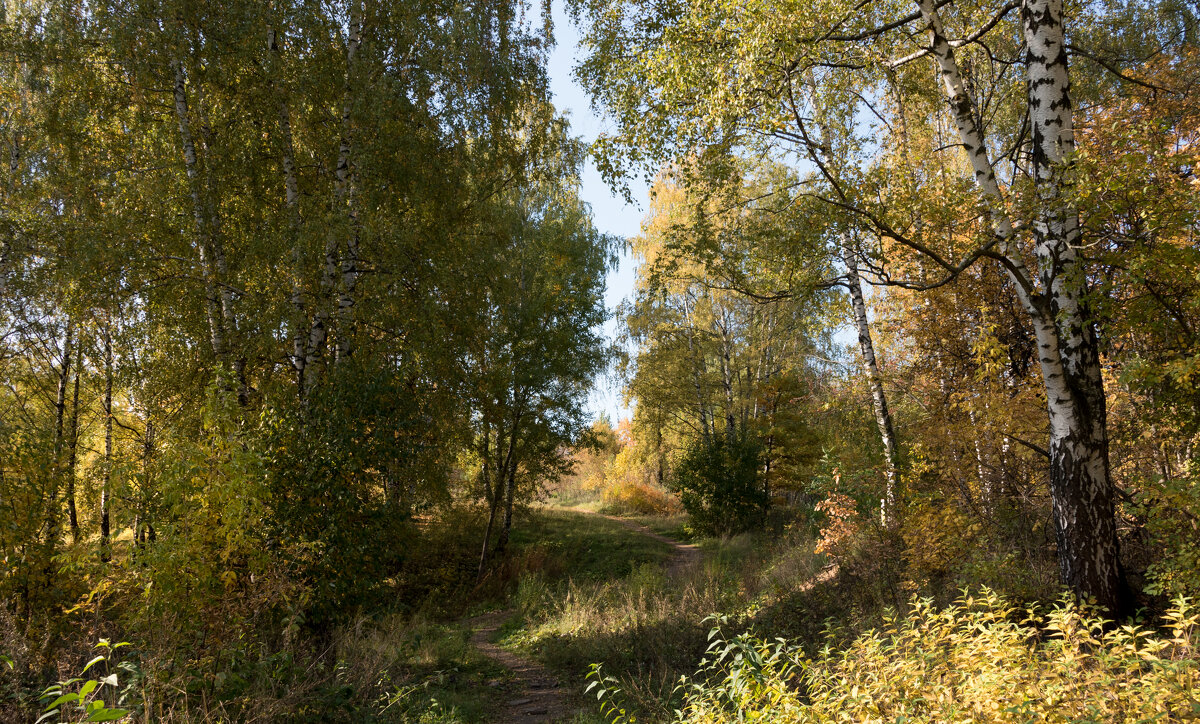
(341, 212)
(889, 513)
(1081, 487)
(60, 409)
(72, 450)
(291, 191)
(212, 305)
(346, 185)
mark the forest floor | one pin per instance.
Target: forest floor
(538, 695)
(534, 693)
(628, 603)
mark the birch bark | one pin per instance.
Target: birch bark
(347, 194)
(343, 216)
(889, 506)
(72, 448)
(60, 409)
(291, 190)
(203, 227)
(1081, 486)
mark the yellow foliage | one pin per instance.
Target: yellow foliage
(981, 660)
(640, 499)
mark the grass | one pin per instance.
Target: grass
(584, 547)
(587, 589)
(648, 629)
(416, 668)
(419, 671)
(673, 526)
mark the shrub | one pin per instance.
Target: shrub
(628, 498)
(1170, 507)
(979, 660)
(717, 481)
(82, 700)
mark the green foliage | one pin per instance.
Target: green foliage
(343, 481)
(740, 669)
(80, 700)
(608, 693)
(717, 479)
(1169, 508)
(289, 254)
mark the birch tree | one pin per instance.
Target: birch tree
(727, 74)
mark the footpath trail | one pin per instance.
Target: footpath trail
(684, 555)
(539, 696)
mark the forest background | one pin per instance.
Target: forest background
(301, 311)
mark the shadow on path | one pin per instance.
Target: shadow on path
(539, 695)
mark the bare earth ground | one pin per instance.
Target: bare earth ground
(540, 696)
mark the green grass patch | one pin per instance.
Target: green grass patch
(566, 544)
(674, 527)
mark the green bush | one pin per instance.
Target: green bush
(717, 482)
(83, 700)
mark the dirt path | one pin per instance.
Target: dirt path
(684, 556)
(539, 695)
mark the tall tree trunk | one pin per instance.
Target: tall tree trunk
(347, 192)
(216, 240)
(1080, 482)
(105, 487)
(697, 358)
(489, 495)
(203, 227)
(53, 521)
(147, 492)
(510, 474)
(1081, 487)
(889, 512)
(60, 410)
(14, 168)
(510, 494)
(72, 448)
(60, 402)
(727, 377)
(295, 222)
(498, 490)
(343, 221)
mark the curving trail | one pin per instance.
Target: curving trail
(685, 555)
(540, 696)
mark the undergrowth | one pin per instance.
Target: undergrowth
(411, 662)
(979, 660)
(646, 628)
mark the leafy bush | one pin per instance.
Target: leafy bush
(81, 700)
(979, 660)
(344, 480)
(628, 498)
(717, 481)
(1170, 507)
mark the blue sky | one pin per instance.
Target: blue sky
(611, 214)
